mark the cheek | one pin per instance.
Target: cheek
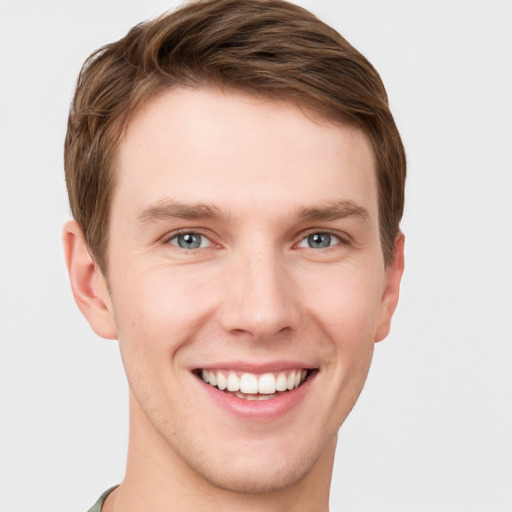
(346, 308)
(346, 302)
(157, 314)
(158, 311)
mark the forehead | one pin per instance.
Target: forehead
(240, 152)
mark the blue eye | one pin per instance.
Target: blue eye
(189, 241)
(319, 240)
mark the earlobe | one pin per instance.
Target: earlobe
(88, 283)
(391, 293)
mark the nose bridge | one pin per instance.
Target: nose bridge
(259, 298)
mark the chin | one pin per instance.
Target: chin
(264, 467)
(246, 477)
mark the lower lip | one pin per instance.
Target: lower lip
(258, 409)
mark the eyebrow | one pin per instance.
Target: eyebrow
(334, 211)
(168, 209)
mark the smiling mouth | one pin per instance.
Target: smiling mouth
(251, 386)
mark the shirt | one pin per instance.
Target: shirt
(97, 506)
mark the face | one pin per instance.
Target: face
(246, 284)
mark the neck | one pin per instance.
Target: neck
(159, 480)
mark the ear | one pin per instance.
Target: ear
(88, 283)
(391, 289)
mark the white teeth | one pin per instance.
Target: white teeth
(265, 385)
(222, 382)
(233, 382)
(290, 381)
(281, 382)
(248, 383)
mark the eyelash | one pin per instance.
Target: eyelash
(183, 233)
(341, 240)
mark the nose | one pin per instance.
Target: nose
(259, 296)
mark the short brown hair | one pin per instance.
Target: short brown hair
(267, 48)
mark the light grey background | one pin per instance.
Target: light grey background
(432, 431)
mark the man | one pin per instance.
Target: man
(236, 181)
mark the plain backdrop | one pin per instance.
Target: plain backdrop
(432, 431)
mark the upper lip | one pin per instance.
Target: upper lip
(252, 367)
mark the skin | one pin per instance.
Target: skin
(255, 291)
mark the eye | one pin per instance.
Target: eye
(319, 240)
(190, 241)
